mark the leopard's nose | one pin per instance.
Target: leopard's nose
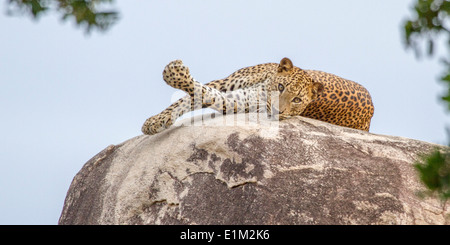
(275, 113)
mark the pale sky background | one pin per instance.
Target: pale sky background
(65, 96)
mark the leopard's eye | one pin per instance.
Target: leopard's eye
(280, 87)
(297, 100)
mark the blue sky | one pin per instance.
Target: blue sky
(65, 96)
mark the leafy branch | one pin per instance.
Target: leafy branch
(86, 13)
(434, 172)
(430, 23)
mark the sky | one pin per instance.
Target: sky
(65, 95)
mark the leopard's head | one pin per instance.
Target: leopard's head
(291, 90)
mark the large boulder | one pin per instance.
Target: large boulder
(300, 171)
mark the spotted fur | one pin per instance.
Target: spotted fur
(308, 93)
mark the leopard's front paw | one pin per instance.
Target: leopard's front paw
(177, 75)
(156, 124)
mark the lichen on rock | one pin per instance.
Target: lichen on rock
(303, 172)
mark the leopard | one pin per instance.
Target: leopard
(281, 90)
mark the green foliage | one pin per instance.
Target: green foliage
(428, 23)
(434, 172)
(426, 27)
(86, 13)
(446, 79)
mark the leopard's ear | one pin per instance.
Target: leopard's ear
(315, 90)
(285, 65)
